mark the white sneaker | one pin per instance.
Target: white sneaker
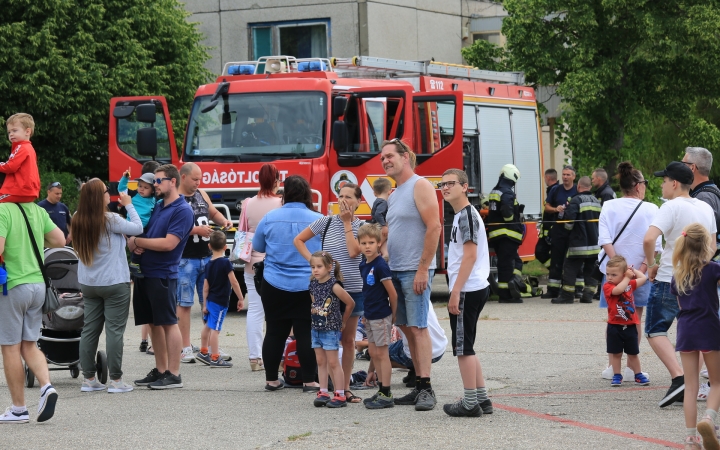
(607, 374)
(46, 405)
(629, 375)
(12, 417)
(704, 373)
(703, 392)
(119, 386)
(90, 386)
(187, 355)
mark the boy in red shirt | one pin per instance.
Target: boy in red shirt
(623, 322)
(22, 179)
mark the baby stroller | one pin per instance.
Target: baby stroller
(60, 334)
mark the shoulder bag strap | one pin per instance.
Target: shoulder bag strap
(327, 226)
(243, 222)
(34, 245)
(622, 229)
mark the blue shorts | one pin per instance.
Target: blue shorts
(191, 277)
(397, 355)
(325, 339)
(359, 308)
(215, 317)
(661, 311)
(641, 295)
(412, 309)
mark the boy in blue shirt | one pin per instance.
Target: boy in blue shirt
(219, 278)
(380, 308)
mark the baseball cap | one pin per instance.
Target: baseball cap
(148, 178)
(677, 171)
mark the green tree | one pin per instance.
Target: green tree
(486, 56)
(63, 60)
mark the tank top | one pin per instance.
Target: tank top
(406, 230)
(197, 246)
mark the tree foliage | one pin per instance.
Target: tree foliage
(63, 60)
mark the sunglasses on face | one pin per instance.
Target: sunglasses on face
(160, 180)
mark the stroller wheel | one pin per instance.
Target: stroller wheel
(74, 371)
(29, 377)
(102, 367)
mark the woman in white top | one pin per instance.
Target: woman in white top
(255, 209)
(615, 213)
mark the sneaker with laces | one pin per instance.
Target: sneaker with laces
(220, 363)
(151, 377)
(703, 392)
(9, 416)
(628, 374)
(203, 358)
(168, 381)
(675, 393)
(486, 406)
(607, 374)
(641, 379)
(46, 405)
(617, 380)
(91, 385)
(408, 399)
(322, 399)
(338, 401)
(381, 401)
(704, 373)
(425, 400)
(371, 399)
(187, 355)
(458, 409)
(118, 386)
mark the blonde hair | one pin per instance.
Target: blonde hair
(617, 261)
(328, 262)
(693, 250)
(370, 230)
(25, 120)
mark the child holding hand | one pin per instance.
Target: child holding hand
(695, 282)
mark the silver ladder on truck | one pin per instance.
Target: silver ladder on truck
(398, 68)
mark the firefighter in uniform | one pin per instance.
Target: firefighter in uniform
(584, 212)
(543, 246)
(506, 236)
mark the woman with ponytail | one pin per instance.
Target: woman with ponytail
(629, 244)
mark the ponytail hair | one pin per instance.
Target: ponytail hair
(629, 176)
(693, 250)
(328, 261)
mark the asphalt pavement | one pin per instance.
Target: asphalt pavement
(542, 363)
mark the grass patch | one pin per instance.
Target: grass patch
(297, 437)
(534, 269)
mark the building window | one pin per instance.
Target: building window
(301, 39)
(492, 37)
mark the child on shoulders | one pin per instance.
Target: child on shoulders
(144, 198)
(22, 179)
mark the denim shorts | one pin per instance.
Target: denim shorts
(325, 339)
(661, 311)
(640, 296)
(359, 308)
(191, 277)
(215, 317)
(412, 309)
(397, 355)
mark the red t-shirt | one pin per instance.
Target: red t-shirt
(621, 308)
(22, 177)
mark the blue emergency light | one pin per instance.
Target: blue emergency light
(311, 66)
(241, 69)
(216, 196)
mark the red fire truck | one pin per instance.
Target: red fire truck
(325, 119)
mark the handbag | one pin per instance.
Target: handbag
(52, 298)
(258, 267)
(242, 246)
(597, 274)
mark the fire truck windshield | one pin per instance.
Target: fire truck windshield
(257, 127)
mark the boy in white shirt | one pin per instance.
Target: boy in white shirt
(468, 271)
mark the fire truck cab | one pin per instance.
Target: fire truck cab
(325, 119)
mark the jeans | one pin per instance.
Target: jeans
(255, 319)
(641, 294)
(109, 306)
(191, 277)
(661, 311)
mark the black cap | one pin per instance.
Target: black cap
(677, 171)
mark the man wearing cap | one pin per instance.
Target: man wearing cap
(57, 210)
(679, 211)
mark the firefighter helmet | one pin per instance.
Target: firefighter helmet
(510, 172)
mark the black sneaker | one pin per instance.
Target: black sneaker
(408, 399)
(143, 346)
(168, 381)
(380, 402)
(425, 400)
(371, 399)
(457, 409)
(322, 399)
(151, 377)
(675, 393)
(486, 406)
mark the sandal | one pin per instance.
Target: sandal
(706, 428)
(256, 365)
(692, 443)
(352, 398)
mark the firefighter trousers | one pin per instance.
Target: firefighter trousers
(576, 269)
(559, 244)
(509, 264)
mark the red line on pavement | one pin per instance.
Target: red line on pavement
(594, 391)
(587, 426)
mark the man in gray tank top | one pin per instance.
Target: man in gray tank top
(413, 219)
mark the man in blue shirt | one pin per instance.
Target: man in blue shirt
(155, 295)
(57, 210)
